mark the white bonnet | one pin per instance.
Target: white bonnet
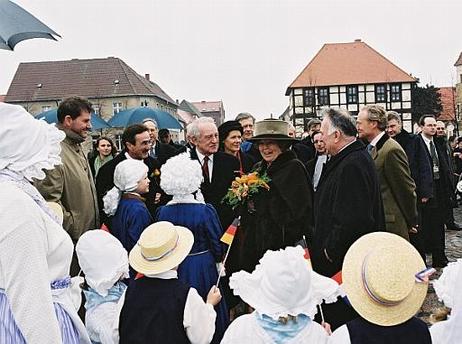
(102, 258)
(180, 175)
(128, 173)
(283, 284)
(27, 145)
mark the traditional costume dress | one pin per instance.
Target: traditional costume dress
(35, 251)
(199, 269)
(104, 262)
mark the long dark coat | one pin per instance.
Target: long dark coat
(347, 205)
(281, 215)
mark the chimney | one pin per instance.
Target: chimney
(147, 77)
(358, 40)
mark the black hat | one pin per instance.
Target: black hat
(227, 127)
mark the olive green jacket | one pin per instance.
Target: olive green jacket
(71, 185)
(396, 185)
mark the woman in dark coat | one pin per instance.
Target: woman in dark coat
(281, 216)
(230, 136)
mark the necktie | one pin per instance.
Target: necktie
(205, 169)
(436, 162)
(370, 148)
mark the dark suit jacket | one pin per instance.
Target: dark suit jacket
(105, 182)
(421, 169)
(443, 191)
(225, 167)
(164, 152)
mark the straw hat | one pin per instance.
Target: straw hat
(272, 129)
(161, 247)
(379, 278)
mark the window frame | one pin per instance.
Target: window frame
(311, 97)
(348, 95)
(394, 93)
(323, 97)
(377, 100)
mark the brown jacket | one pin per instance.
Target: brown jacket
(71, 185)
(396, 185)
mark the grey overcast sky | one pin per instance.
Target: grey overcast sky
(244, 52)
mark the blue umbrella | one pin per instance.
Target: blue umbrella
(51, 116)
(137, 115)
(16, 25)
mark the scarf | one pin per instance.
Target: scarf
(94, 299)
(279, 332)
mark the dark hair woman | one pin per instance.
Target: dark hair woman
(105, 151)
(230, 136)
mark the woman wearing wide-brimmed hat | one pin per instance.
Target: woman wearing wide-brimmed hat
(280, 216)
(383, 282)
(35, 250)
(230, 137)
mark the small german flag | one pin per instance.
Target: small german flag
(228, 236)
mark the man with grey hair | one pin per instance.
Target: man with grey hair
(159, 151)
(347, 203)
(313, 126)
(396, 183)
(247, 122)
(218, 168)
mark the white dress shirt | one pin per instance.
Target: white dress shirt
(201, 157)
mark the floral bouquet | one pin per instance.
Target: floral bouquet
(243, 187)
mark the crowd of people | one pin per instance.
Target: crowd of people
(126, 248)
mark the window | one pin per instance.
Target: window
(352, 94)
(395, 92)
(96, 109)
(323, 96)
(118, 142)
(308, 97)
(380, 93)
(116, 107)
(46, 108)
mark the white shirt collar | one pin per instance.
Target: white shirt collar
(427, 140)
(201, 157)
(376, 139)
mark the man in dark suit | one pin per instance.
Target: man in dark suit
(347, 203)
(219, 169)
(316, 165)
(421, 170)
(137, 144)
(159, 151)
(435, 211)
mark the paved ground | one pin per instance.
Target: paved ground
(453, 252)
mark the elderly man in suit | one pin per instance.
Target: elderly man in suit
(347, 203)
(396, 184)
(219, 169)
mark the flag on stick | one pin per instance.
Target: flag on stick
(228, 236)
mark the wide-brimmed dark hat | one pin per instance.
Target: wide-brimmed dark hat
(227, 127)
(272, 129)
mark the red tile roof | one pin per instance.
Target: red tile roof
(212, 106)
(347, 64)
(90, 78)
(448, 96)
(459, 61)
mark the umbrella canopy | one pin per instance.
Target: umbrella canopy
(51, 116)
(16, 25)
(137, 115)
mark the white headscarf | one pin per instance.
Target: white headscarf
(448, 289)
(283, 284)
(180, 176)
(27, 145)
(127, 174)
(102, 258)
